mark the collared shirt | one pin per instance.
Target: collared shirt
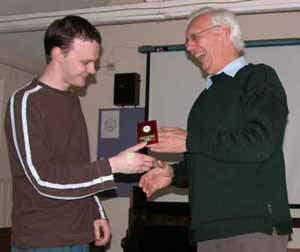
(231, 69)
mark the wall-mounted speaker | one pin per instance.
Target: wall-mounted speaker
(127, 89)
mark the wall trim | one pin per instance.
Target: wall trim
(142, 12)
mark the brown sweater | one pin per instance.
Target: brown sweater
(53, 178)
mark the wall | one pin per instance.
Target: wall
(10, 80)
(120, 43)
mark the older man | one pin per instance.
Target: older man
(233, 161)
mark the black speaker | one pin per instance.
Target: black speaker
(127, 89)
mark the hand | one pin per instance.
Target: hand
(172, 140)
(102, 232)
(157, 178)
(129, 161)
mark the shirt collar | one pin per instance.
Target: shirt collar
(231, 69)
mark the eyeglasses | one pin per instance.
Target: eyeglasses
(195, 36)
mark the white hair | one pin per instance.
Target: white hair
(225, 18)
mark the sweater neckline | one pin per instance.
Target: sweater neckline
(44, 85)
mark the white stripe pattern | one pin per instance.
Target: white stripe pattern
(100, 207)
(29, 159)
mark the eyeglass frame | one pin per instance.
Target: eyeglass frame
(196, 35)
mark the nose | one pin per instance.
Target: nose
(189, 45)
(92, 68)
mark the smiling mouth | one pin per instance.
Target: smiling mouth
(199, 55)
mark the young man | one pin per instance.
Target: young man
(233, 162)
(54, 183)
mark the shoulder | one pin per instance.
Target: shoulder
(263, 72)
(25, 97)
(261, 78)
(25, 91)
(259, 72)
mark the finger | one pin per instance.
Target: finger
(150, 163)
(158, 148)
(151, 145)
(143, 182)
(101, 241)
(139, 169)
(149, 193)
(143, 185)
(168, 129)
(137, 147)
(162, 135)
(160, 163)
(146, 158)
(97, 231)
(104, 238)
(139, 159)
(145, 167)
(146, 190)
(148, 186)
(104, 230)
(155, 147)
(134, 158)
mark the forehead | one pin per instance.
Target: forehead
(88, 48)
(198, 24)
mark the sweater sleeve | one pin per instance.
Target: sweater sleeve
(265, 116)
(180, 178)
(51, 177)
(100, 207)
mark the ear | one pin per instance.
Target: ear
(226, 32)
(57, 54)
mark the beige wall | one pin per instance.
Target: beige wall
(10, 79)
(120, 43)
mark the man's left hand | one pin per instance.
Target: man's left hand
(102, 232)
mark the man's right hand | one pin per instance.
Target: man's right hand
(130, 161)
(172, 140)
(157, 178)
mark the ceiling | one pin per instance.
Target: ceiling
(17, 7)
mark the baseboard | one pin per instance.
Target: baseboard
(5, 239)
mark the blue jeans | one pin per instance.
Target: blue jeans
(73, 248)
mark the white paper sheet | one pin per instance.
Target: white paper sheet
(110, 124)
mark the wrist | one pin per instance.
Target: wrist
(171, 171)
(113, 164)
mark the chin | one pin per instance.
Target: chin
(81, 83)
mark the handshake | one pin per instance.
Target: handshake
(157, 178)
(158, 174)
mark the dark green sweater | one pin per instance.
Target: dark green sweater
(234, 165)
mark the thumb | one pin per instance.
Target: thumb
(160, 164)
(97, 231)
(137, 147)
